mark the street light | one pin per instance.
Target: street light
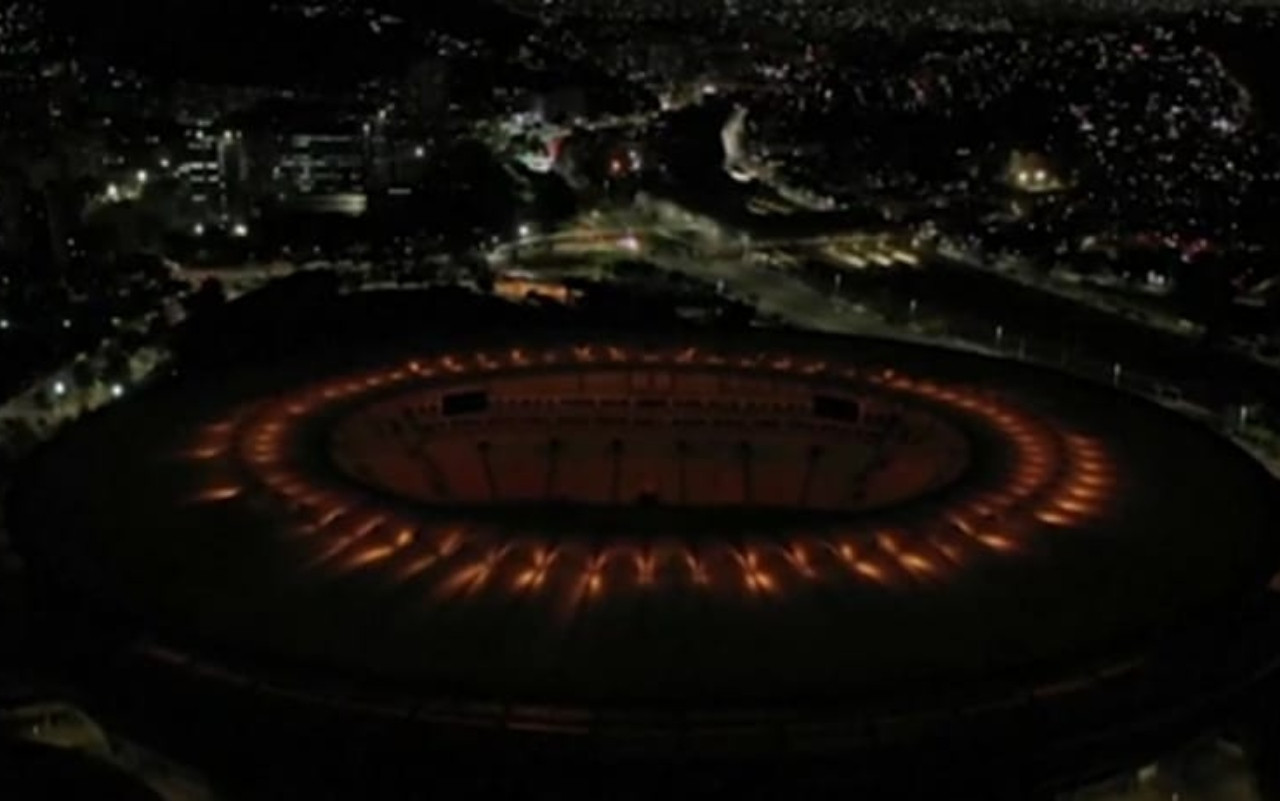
(59, 388)
(198, 229)
(240, 230)
(116, 390)
(142, 176)
(525, 230)
(4, 325)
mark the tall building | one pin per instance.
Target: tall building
(22, 30)
(201, 165)
(320, 161)
(22, 43)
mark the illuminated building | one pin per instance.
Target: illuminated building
(750, 546)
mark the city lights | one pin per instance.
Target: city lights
(873, 399)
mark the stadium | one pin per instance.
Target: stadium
(602, 547)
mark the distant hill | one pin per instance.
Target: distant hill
(242, 41)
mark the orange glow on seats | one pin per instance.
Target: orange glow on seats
(917, 563)
(370, 555)
(870, 571)
(1050, 477)
(1054, 518)
(222, 493)
(998, 542)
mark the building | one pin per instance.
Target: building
(22, 51)
(305, 155)
(201, 164)
(319, 162)
(705, 557)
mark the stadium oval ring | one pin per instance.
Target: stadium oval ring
(596, 535)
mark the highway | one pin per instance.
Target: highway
(770, 290)
(724, 259)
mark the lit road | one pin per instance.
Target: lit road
(772, 291)
(776, 293)
(721, 258)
